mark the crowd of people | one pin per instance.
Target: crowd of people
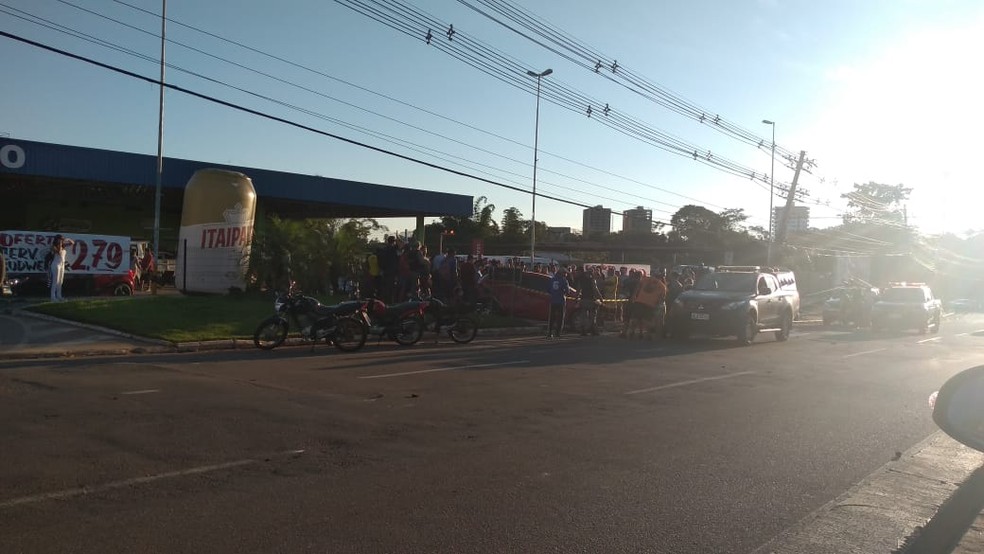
(401, 269)
(640, 299)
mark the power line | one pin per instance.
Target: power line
(275, 118)
(586, 57)
(413, 23)
(382, 136)
(401, 102)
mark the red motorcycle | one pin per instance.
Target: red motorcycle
(403, 322)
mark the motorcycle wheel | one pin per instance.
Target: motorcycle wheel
(350, 335)
(271, 333)
(409, 331)
(464, 330)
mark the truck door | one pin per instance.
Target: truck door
(767, 299)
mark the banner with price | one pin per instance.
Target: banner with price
(24, 252)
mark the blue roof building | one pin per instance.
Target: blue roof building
(45, 186)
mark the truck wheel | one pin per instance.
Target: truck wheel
(785, 327)
(746, 335)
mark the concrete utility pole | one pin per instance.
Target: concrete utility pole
(790, 200)
(160, 153)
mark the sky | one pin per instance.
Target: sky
(872, 90)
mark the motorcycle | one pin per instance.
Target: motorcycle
(340, 324)
(459, 321)
(403, 322)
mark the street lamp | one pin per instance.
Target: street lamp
(772, 189)
(536, 140)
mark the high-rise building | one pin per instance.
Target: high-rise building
(799, 218)
(597, 221)
(637, 220)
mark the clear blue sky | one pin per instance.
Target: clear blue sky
(883, 90)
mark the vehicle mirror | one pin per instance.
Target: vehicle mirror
(958, 407)
(764, 289)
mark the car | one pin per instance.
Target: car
(36, 284)
(739, 301)
(849, 305)
(907, 306)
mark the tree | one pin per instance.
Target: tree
(512, 223)
(480, 224)
(732, 220)
(693, 223)
(877, 203)
(312, 252)
(483, 214)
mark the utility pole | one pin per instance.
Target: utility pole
(790, 200)
(160, 152)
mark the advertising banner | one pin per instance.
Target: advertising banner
(25, 251)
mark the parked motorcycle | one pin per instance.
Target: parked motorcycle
(403, 322)
(341, 324)
(460, 321)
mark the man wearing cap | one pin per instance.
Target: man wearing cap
(558, 290)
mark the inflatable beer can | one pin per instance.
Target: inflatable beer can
(216, 231)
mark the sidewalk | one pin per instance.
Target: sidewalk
(24, 335)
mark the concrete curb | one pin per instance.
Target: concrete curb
(888, 507)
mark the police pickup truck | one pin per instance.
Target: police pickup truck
(739, 301)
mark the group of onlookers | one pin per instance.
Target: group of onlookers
(641, 299)
(401, 270)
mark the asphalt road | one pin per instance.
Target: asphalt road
(506, 445)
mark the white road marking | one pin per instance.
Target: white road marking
(865, 352)
(924, 341)
(967, 334)
(438, 369)
(82, 491)
(148, 391)
(691, 382)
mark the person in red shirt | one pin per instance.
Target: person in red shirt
(148, 267)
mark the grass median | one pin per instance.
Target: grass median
(179, 318)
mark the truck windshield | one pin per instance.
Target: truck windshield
(731, 282)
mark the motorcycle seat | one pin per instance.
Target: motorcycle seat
(343, 308)
(395, 310)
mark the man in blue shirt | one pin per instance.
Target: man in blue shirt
(558, 288)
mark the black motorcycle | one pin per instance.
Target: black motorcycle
(341, 324)
(459, 320)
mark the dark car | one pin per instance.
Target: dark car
(735, 302)
(36, 284)
(850, 306)
(907, 306)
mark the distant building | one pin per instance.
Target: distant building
(597, 221)
(799, 218)
(637, 220)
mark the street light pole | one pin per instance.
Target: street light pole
(772, 191)
(536, 141)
